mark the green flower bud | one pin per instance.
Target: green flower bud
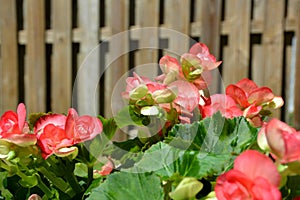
(186, 189)
(139, 92)
(164, 96)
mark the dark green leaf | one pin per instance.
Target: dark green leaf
(109, 127)
(4, 192)
(129, 186)
(166, 160)
(215, 134)
(129, 116)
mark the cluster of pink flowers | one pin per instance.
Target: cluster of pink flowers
(246, 99)
(182, 84)
(179, 85)
(54, 133)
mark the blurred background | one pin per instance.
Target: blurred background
(43, 43)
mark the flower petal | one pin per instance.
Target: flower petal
(21, 111)
(247, 163)
(247, 85)
(260, 96)
(238, 95)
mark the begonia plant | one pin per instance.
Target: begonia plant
(188, 143)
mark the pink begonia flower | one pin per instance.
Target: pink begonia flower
(253, 177)
(208, 61)
(282, 140)
(171, 69)
(133, 84)
(223, 103)
(14, 128)
(247, 93)
(82, 128)
(253, 99)
(57, 133)
(187, 95)
(106, 169)
(51, 134)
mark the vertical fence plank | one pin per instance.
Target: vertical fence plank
(117, 64)
(88, 73)
(61, 68)
(9, 57)
(209, 15)
(257, 50)
(35, 72)
(177, 17)
(237, 59)
(272, 42)
(297, 75)
(147, 16)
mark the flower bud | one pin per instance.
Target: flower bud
(164, 96)
(186, 189)
(139, 92)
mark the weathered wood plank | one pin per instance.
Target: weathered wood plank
(297, 75)
(257, 50)
(272, 42)
(209, 15)
(237, 61)
(177, 43)
(117, 60)
(147, 15)
(9, 56)
(61, 69)
(35, 69)
(88, 73)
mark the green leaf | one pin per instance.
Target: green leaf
(129, 186)
(81, 170)
(291, 188)
(109, 127)
(95, 184)
(166, 160)
(4, 192)
(128, 116)
(33, 117)
(215, 134)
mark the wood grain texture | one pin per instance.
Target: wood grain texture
(237, 59)
(297, 83)
(35, 69)
(9, 56)
(272, 41)
(88, 71)
(61, 69)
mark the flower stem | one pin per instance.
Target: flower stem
(43, 187)
(90, 174)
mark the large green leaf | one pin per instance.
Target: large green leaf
(129, 186)
(166, 160)
(215, 134)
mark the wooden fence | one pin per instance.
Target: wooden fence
(44, 42)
